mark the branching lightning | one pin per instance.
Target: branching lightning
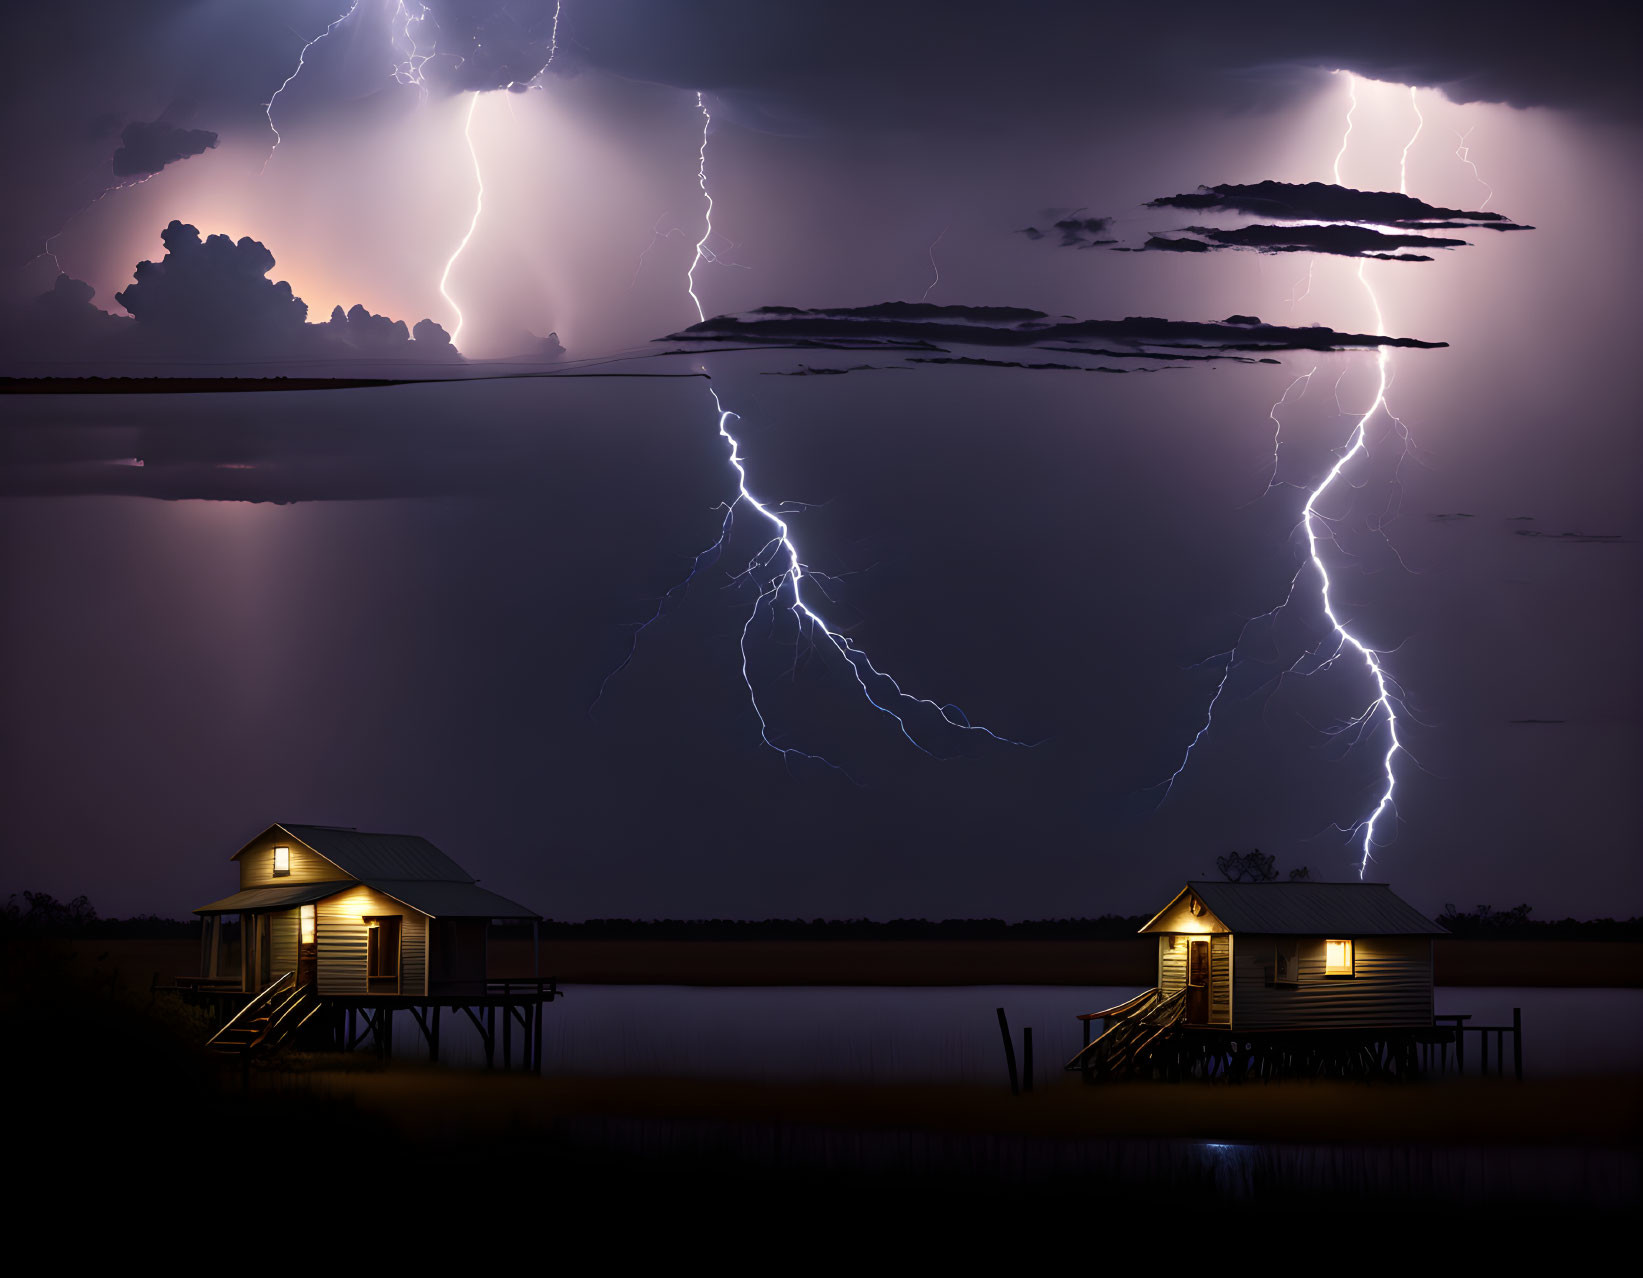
(268, 107)
(479, 206)
(781, 582)
(703, 253)
(1387, 702)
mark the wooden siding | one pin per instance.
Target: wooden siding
(341, 937)
(307, 865)
(1220, 979)
(1172, 965)
(283, 942)
(1391, 985)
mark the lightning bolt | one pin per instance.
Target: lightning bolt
(473, 222)
(935, 269)
(703, 253)
(780, 581)
(408, 70)
(1385, 704)
(1403, 160)
(268, 107)
(1382, 706)
(1463, 152)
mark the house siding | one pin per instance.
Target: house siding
(282, 948)
(341, 939)
(1391, 985)
(1172, 966)
(307, 866)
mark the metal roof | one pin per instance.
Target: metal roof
(379, 856)
(1301, 907)
(279, 896)
(452, 900)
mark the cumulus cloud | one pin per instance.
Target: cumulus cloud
(208, 301)
(146, 148)
(924, 327)
(1326, 202)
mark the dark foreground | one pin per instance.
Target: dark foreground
(115, 1112)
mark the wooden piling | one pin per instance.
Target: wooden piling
(1009, 1053)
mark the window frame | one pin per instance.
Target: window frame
(1286, 948)
(1350, 969)
(277, 871)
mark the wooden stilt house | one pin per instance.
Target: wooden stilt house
(1294, 955)
(352, 913)
(340, 930)
(1268, 979)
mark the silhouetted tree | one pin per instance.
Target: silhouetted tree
(1253, 866)
(1296, 876)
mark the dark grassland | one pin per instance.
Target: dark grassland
(121, 1128)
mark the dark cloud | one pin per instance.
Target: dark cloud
(213, 295)
(1076, 232)
(1169, 244)
(921, 325)
(1326, 202)
(208, 301)
(1339, 240)
(870, 59)
(147, 148)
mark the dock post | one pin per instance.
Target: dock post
(1009, 1053)
(507, 1033)
(536, 1047)
(1517, 1043)
(1027, 1059)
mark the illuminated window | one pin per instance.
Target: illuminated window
(1337, 958)
(307, 925)
(282, 860)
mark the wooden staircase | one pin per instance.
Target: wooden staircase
(1132, 1032)
(267, 1022)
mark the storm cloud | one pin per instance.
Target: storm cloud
(207, 301)
(146, 148)
(1076, 232)
(1338, 240)
(1326, 202)
(924, 327)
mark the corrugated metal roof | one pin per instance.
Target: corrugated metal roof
(280, 897)
(380, 856)
(1313, 909)
(453, 900)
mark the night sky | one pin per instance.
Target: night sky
(1080, 308)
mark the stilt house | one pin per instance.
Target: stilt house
(356, 914)
(1295, 955)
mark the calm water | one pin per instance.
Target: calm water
(951, 1035)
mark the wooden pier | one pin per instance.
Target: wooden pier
(501, 1011)
(1147, 1038)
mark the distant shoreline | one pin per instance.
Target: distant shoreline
(1479, 964)
(193, 385)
